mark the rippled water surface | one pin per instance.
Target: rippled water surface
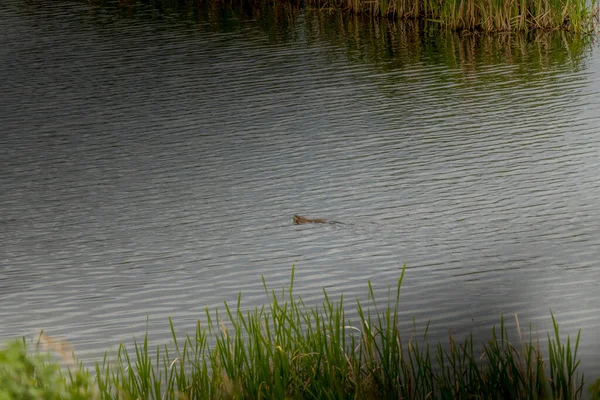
(151, 164)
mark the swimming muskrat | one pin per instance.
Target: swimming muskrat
(301, 220)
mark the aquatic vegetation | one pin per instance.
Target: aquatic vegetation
(458, 15)
(290, 350)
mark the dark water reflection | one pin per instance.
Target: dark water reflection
(151, 161)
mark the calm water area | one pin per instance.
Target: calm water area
(151, 161)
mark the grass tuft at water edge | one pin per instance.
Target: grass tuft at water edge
(287, 349)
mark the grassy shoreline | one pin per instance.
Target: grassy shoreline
(290, 350)
(581, 16)
(480, 15)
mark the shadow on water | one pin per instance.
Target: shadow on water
(390, 45)
(384, 44)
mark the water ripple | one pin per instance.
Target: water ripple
(148, 168)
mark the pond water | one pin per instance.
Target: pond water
(152, 160)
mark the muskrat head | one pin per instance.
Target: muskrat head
(299, 220)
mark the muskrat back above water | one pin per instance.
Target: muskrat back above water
(298, 219)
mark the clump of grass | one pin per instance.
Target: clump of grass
(289, 350)
(481, 15)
